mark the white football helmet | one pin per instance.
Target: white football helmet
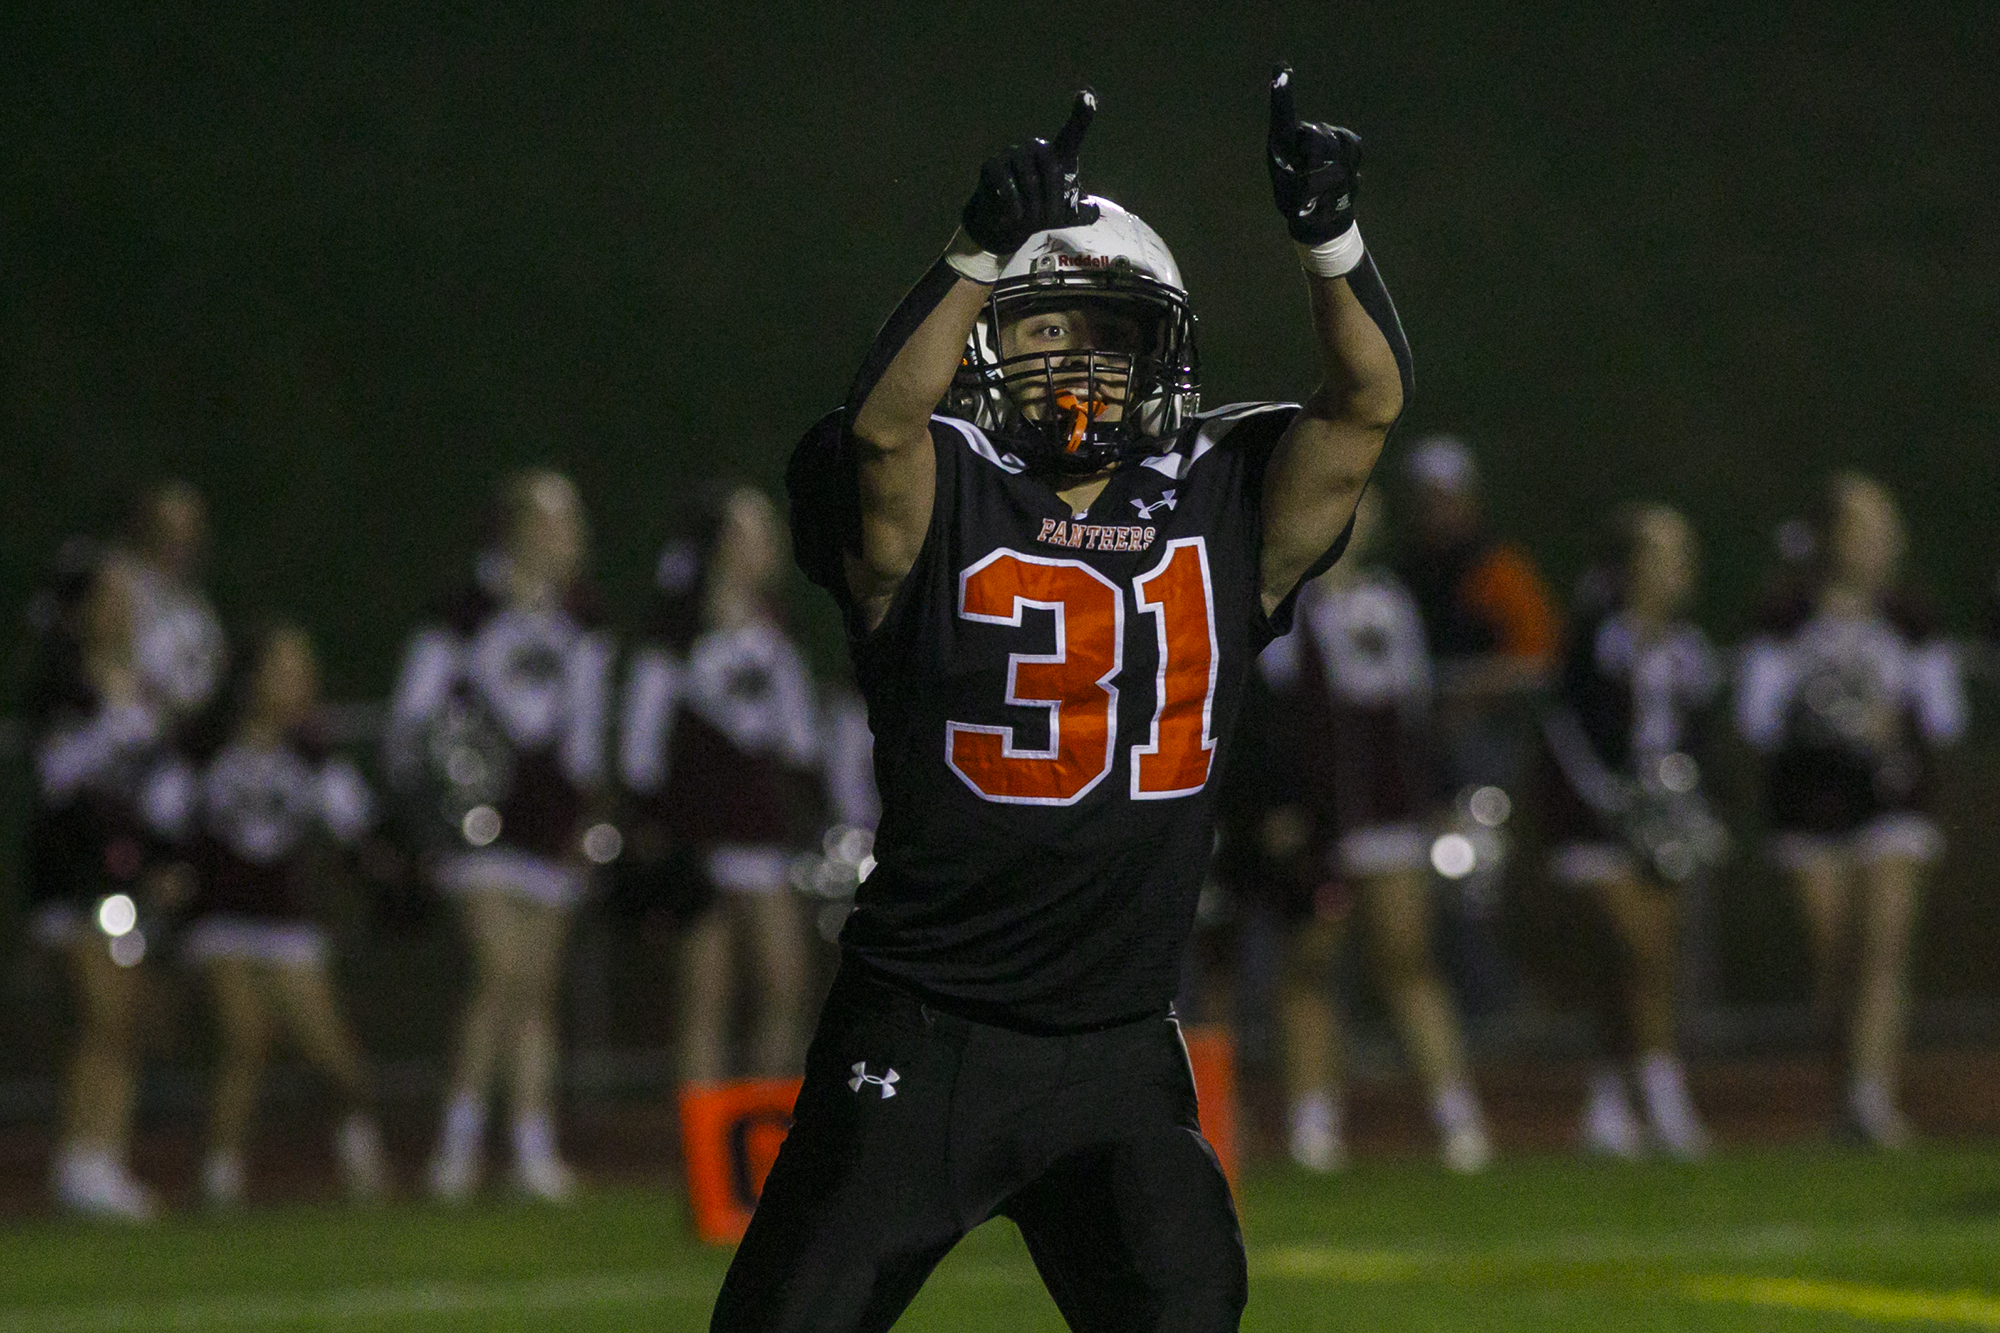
(1048, 406)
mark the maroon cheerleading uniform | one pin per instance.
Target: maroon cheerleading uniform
(88, 834)
(1625, 713)
(246, 817)
(1339, 728)
(535, 682)
(1848, 711)
(720, 743)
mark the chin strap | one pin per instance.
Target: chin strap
(1081, 415)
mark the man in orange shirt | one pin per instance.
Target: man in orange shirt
(1493, 632)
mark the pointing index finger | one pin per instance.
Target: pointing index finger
(1284, 118)
(1070, 137)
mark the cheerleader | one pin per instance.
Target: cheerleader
(719, 739)
(1848, 689)
(1338, 746)
(92, 863)
(497, 722)
(245, 815)
(1623, 811)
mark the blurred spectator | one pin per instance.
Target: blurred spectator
(1848, 689)
(1332, 794)
(1623, 810)
(846, 853)
(92, 868)
(1492, 632)
(245, 814)
(718, 739)
(180, 650)
(498, 725)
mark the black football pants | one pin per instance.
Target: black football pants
(1089, 1142)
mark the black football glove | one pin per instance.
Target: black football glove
(1315, 168)
(1032, 187)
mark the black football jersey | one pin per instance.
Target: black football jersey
(1052, 697)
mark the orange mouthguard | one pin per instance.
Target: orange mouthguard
(1081, 415)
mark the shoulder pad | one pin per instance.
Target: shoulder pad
(1211, 428)
(980, 443)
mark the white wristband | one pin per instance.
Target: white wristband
(973, 261)
(1337, 257)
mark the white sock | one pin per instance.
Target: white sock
(1607, 1089)
(1663, 1083)
(534, 1138)
(464, 1126)
(1870, 1099)
(359, 1139)
(1455, 1108)
(79, 1157)
(222, 1176)
(1315, 1132)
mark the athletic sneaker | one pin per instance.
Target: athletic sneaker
(546, 1178)
(1872, 1117)
(93, 1183)
(1609, 1127)
(358, 1144)
(1315, 1141)
(1461, 1130)
(222, 1179)
(452, 1177)
(1467, 1150)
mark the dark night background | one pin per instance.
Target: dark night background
(343, 265)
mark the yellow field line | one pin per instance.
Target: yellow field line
(1971, 1309)
(1322, 1263)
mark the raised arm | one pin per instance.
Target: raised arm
(1319, 468)
(1029, 188)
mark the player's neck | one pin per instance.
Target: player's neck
(1081, 494)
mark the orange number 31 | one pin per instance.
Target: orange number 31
(1078, 682)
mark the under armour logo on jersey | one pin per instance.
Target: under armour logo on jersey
(1166, 501)
(885, 1081)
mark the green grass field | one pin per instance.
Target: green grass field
(1781, 1240)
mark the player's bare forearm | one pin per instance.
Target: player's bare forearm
(1318, 470)
(892, 405)
(907, 373)
(1316, 475)
(1028, 188)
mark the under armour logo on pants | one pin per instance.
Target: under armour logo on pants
(885, 1081)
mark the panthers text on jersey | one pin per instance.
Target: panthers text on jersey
(1052, 696)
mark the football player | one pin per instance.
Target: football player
(1055, 572)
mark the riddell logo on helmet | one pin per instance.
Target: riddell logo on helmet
(1084, 261)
